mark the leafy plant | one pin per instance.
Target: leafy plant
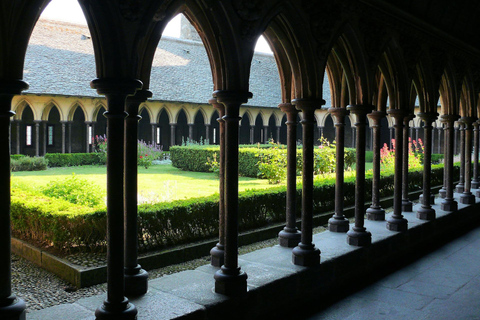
(28, 164)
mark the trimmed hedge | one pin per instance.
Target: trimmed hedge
(28, 164)
(75, 159)
(65, 226)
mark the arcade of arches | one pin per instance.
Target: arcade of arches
(401, 64)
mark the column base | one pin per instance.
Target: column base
(13, 309)
(375, 214)
(460, 188)
(467, 198)
(338, 225)
(289, 238)
(426, 213)
(306, 255)
(230, 282)
(432, 198)
(407, 206)
(359, 238)
(136, 282)
(397, 224)
(475, 184)
(217, 255)
(443, 193)
(118, 311)
(449, 205)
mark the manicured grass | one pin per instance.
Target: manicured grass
(157, 183)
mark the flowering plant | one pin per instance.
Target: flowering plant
(415, 154)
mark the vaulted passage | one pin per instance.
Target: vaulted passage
(368, 74)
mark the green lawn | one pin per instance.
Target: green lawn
(157, 183)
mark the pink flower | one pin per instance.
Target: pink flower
(141, 157)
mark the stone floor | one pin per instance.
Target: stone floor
(445, 284)
(442, 285)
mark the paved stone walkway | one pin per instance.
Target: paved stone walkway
(445, 284)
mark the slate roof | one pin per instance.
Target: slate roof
(60, 60)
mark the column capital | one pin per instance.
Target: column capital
(88, 122)
(467, 121)
(377, 116)
(308, 105)
(397, 114)
(140, 96)
(230, 96)
(219, 106)
(408, 117)
(449, 118)
(12, 87)
(288, 107)
(108, 86)
(360, 111)
(428, 117)
(339, 114)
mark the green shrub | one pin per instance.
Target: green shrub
(368, 156)
(28, 164)
(75, 159)
(17, 156)
(437, 157)
(74, 190)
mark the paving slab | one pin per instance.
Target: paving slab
(73, 310)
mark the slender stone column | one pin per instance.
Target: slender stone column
(64, 135)
(443, 191)
(136, 279)
(37, 137)
(417, 130)
(467, 197)
(426, 212)
(306, 254)
(397, 222)
(207, 133)
(455, 142)
(407, 205)
(461, 183)
(153, 133)
(116, 306)
(11, 308)
(449, 203)
(173, 129)
(359, 236)
(69, 136)
(290, 236)
(475, 180)
(92, 139)
(265, 134)
(252, 134)
(339, 223)
(45, 137)
(278, 133)
(87, 140)
(376, 212)
(190, 131)
(217, 253)
(230, 280)
(18, 135)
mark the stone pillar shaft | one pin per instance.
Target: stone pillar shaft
(461, 184)
(290, 236)
(173, 127)
(449, 204)
(407, 205)
(37, 137)
(305, 254)
(339, 223)
(475, 180)
(467, 197)
(375, 212)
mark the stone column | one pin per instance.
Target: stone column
(252, 134)
(443, 191)
(467, 197)
(11, 307)
(69, 136)
(449, 203)
(306, 254)
(230, 280)
(359, 236)
(376, 212)
(475, 180)
(37, 137)
(136, 279)
(417, 130)
(407, 205)
(207, 133)
(278, 133)
(265, 134)
(439, 143)
(190, 131)
(461, 183)
(217, 253)
(339, 223)
(290, 236)
(391, 138)
(44, 135)
(397, 222)
(64, 130)
(18, 135)
(426, 212)
(153, 133)
(116, 91)
(87, 140)
(173, 129)
(353, 136)
(455, 142)
(92, 139)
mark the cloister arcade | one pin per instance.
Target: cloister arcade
(380, 58)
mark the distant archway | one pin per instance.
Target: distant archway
(181, 134)
(144, 127)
